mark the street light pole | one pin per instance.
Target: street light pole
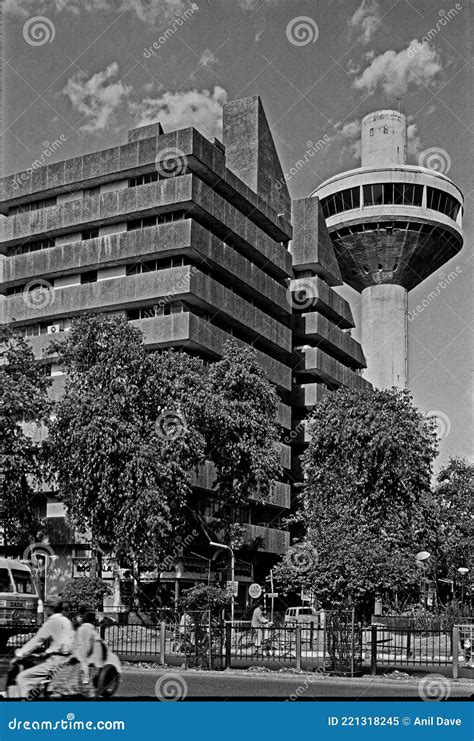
(463, 571)
(232, 574)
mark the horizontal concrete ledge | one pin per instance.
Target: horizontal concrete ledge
(313, 294)
(135, 158)
(314, 362)
(316, 328)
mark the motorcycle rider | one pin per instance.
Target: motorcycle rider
(58, 633)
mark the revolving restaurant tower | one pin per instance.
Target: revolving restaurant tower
(392, 226)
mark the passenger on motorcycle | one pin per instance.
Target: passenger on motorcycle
(57, 633)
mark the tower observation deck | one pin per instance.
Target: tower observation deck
(392, 226)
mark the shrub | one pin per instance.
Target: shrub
(84, 591)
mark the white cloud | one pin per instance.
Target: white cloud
(98, 98)
(366, 20)
(148, 11)
(350, 135)
(414, 146)
(199, 108)
(417, 65)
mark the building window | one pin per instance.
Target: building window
(154, 220)
(159, 309)
(392, 194)
(33, 206)
(42, 244)
(90, 233)
(345, 200)
(89, 277)
(149, 177)
(439, 200)
(151, 265)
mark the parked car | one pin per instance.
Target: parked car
(301, 616)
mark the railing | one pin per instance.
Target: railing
(398, 647)
(345, 650)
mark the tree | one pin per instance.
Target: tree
(452, 518)
(23, 398)
(241, 432)
(367, 474)
(121, 446)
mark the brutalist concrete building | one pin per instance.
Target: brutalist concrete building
(194, 242)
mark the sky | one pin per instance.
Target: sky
(79, 73)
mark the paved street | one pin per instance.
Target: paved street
(141, 683)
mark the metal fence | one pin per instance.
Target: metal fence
(349, 649)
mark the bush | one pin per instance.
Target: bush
(84, 591)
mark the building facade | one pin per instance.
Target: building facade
(191, 241)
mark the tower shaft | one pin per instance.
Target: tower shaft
(384, 335)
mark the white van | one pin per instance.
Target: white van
(301, 615)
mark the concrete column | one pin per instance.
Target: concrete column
(384, 332)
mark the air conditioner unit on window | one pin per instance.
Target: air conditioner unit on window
(54, 328)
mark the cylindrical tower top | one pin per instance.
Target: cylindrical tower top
(384, 139)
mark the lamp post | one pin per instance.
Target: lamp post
(232, 573)
(421, 561)
(463, 571)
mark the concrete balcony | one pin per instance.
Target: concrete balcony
(185, 283)
(273, 541)
(178, 238)
(138, 157)
(316, 328)
(189, 331)
(314, 362)
(186, 193)
(192, 332)
(312, 294)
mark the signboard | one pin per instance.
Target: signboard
(255, 590)
(233, 586)
(272, 595)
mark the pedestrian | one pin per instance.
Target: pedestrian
(258, 622)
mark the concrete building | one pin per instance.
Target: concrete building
(392, 225)
(190, 241)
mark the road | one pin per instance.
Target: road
(141, 684)
(223, 685)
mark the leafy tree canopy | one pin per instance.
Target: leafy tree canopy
(133, 425)
(24, 407)
(367, 474)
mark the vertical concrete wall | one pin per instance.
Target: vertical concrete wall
(384, 331)
(384, 139)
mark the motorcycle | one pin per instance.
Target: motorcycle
(103, 682)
